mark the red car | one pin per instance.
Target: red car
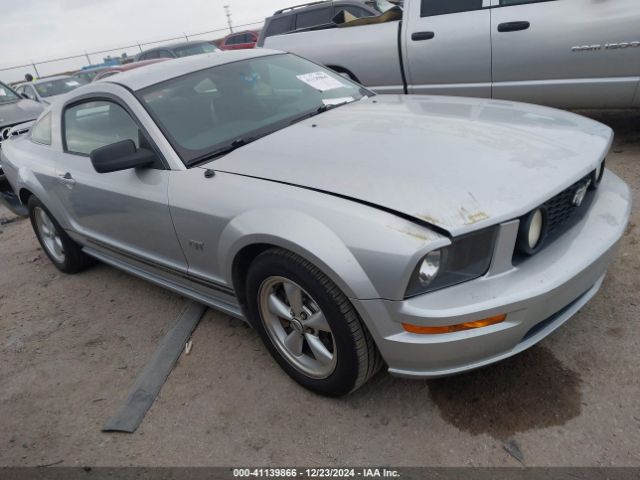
(107, 72)
(239, 41)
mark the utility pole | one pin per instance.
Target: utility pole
(227, 11)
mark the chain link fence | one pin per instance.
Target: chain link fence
(71, 63)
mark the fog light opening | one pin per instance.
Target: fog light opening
(485, 322)
(532, 232)
(596, 176)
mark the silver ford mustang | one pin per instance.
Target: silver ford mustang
(431, 234)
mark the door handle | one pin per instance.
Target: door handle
(419, 36)
(67, 179)
(513, 26)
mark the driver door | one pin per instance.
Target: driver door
(121, 214)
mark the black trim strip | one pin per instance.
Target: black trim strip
(405, 87)
(409, 218)
(172, 271)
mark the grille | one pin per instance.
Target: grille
(562, 214)
(4, 132)
(561, 208)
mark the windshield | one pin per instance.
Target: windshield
(7, 95)
(57, 87)
(195, 49)
(205, 111)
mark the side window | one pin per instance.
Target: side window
(430, 8)
(315, 17)
(279, 26)
(355, 11)
(164, 54)
(41, 131)
(92, 125)
(233, 40)
(150, 55)
(28, 91)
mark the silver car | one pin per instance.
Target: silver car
(431, 234)
(47, 90)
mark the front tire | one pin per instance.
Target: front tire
(308, 325)
(64, 253)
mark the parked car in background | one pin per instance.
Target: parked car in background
(111, 71)
(14, 110)
(88, 74)
(239, 41)
(310, 15)
(562, 53)
(47, 90)
(237, 180)
(177, 50)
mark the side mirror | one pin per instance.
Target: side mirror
(121, 156)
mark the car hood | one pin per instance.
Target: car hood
(19, 112)
(456, 163)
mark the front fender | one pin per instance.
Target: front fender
(302, 234)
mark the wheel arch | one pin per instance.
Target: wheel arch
(24, 194)
(254, 232)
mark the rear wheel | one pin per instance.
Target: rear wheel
(309, 326)
(65, 254)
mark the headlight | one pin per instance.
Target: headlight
(533, 229)
(467, 257)
(596, 176)
(429, 267)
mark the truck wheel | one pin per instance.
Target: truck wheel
(309, 326)
(65, 254)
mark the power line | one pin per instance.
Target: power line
(137, 45)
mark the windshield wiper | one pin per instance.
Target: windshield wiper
(219, 152)
(318, 111)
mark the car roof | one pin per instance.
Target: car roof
(174, 45)
(138, 79)
(319, 4)
(133, 65)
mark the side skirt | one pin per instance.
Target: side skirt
(227, 305)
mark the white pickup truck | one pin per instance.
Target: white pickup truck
(562, 53)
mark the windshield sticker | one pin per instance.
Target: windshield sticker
(3, 92)
(337, 101)
(72, 83)
(320, 81)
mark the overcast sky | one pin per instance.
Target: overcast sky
(36, 30)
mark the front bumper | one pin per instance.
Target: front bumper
(538, 296)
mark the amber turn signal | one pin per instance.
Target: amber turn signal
(454, 328)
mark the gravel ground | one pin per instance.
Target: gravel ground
(71, 347)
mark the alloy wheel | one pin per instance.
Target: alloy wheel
(297, 327)
(49, 234)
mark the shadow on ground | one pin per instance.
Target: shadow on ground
(532, 390)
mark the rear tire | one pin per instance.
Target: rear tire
(64, 253)
(324, 346)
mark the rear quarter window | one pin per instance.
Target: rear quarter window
(313, 18)
(41, 131)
